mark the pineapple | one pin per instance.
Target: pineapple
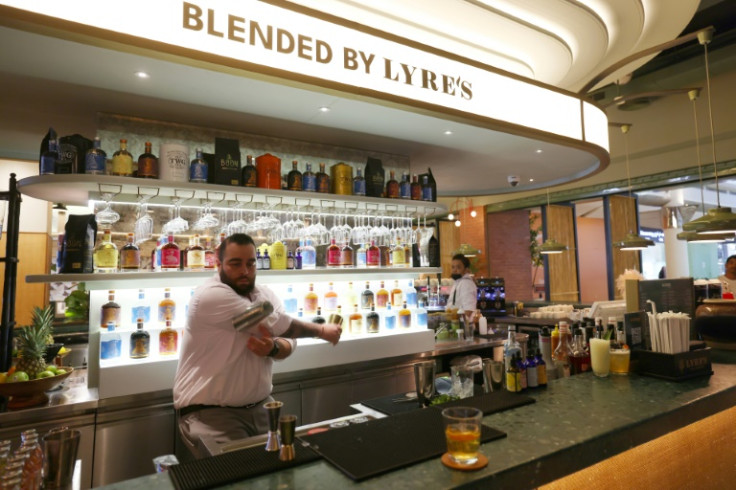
(32, 342)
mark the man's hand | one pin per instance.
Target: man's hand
(331, 333)
(262, 345)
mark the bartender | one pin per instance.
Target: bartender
(224, 376)
(728, 279)
(464, 293)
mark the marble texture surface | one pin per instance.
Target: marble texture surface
(576, 422)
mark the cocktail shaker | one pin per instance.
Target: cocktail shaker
(273, 409)
(252, 316)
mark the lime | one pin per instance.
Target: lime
(45, 374)
(17, 376)
(52, 368)
(60, 371)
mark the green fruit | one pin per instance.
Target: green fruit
(45, 374)
(52, 368)
(60, 371)
(17, 376)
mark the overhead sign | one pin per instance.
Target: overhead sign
(279, 38)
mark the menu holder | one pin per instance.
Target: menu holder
(673, 367)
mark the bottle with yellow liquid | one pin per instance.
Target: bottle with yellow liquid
(105, 256)
(168, 340)
(167, 308)
(311, 301)
(277, 253)
(122, 161)
(355, 322)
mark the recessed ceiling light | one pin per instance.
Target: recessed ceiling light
(448, 132)
(324, 109)
(531, 180)
(142, 74)
(539, 150)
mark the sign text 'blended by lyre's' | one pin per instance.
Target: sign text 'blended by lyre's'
(251, 32)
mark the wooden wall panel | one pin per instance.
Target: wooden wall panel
(622, 211)
(449, 242)
(563, 268)
(33, 250)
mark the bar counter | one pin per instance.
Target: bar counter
(575, 422)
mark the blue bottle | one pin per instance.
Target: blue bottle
(405, 186)
(110, 343)
(48, 159)
(198, 169)
(290, 300)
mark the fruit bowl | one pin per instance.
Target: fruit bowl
(35, 387)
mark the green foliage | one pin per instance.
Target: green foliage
(534, 231)
(77, 303)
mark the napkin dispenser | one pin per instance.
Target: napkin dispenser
(673, 367)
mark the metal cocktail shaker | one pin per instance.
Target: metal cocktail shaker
(252, 316)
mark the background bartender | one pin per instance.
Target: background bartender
(224, 376)
(464, 293)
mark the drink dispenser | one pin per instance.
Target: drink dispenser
(491, 296)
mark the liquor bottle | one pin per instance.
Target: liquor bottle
(545, 344)
(541, 370)
(183, 255)
(554, 341)
(405, 186)
(110, 343)
(110, 311)
(330, 301)
(404, 317)
(95, 161)
(372, 321)
(323, 180)
(166, 308)
(122, 160)
(170, 255)
(410, 294)
(392, 186)
(249, 176)
(397, 295)
(513, 381)
(195, 255)
(421, 316)
(373, 255)
(382, 297)
(426, 189)
(433, 251)
(156, 254)
(140, 341)
(259, 260)
(168, 340)
(309, 255)
(319, 319)
(290, 261)
(210, 262)
(309, 179)
(346, 256)
(407, 255)
(311, 301)
(266, 261)
(511, 347)
(385, 254)
(105, 256)
(532, 378)
(355, 322)
(580, 358)
(277, 252)
(361, 256)
(349, 297)
(389, 318)
(147, 164)
(415, 188)
(290, 302)
(333, 255)
(198, 171)
(359, 183)
(294, 179)
(366, 297)
(397, 255)
(141, 309)
(130, 256)
(561, 355)
(521, 364)
(47, 164)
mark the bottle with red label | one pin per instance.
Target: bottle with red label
(373, 255)
(333, 255)
(170, 255)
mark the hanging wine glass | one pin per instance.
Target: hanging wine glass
(177, 224)
(107, 216)
(208, 219)
(143, 228)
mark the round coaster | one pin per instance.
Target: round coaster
(481, 463)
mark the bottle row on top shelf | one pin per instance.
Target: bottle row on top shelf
(76, 154)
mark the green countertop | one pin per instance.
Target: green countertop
(576, 422)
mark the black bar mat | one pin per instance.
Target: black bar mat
(489, 403)
(366, 450)
(234, 466)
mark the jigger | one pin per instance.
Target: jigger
(273, 409)
(287, 425)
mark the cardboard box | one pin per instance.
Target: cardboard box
(226, 166)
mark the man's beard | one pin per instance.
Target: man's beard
(241, 290)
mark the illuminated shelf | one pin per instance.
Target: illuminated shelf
(169, 279)
(78, 189)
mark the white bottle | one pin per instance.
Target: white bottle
(483, 325)
(420, 316)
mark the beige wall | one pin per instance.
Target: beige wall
(592, 259)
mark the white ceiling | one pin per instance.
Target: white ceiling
(48, 81)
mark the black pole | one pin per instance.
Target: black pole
(10, 279)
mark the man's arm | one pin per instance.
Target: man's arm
(299, 329)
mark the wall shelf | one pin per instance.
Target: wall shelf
(78, 189)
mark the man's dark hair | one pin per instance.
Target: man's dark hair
(463, 259)
(237, 238)
(730, 257)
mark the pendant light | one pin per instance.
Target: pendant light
(720, 219)
(550, 245)
(694, 236)
(467, 250)
(632, 241)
